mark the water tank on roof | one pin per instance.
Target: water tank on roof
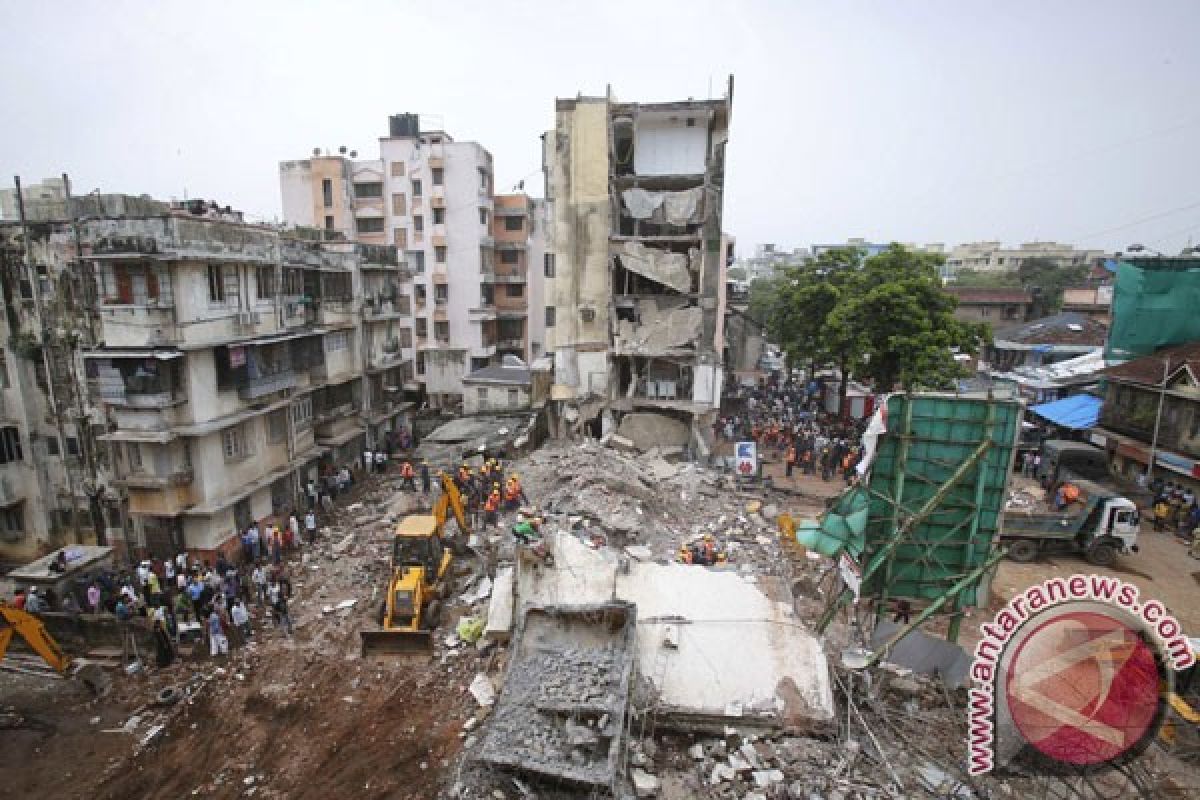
(404, 125)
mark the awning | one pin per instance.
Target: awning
(1078, 412)
(161, 355)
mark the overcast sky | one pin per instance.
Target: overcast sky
(912, 121)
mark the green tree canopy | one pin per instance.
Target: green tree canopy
(885, 318)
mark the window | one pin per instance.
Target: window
(548, 264)
(4, 384)
(478, 364)
(72, 446)
(418, 224)
(338, 340)
(419, 293)
(441, 330)
(233, 443)
(549, 316)
(369, 225)
(52, 445)
(439, 254)
(327, 192)
(293, 282)
(422, 328)
(416, 187)
(417, 259)
(487, 294)
(406, 337)
(302, 413)
(514, 398)
(400, 238)
(369, 191)
(514, 224)
(482, 392)
(399, 205)
(483, 216)
(328, 222)
(515, 290)
(439, 176)
(264, 284)
(12, 519)
(276, 426)
(441, 293)
(509, 257)
(216, 287)
(483, 178)
(397, 169)
(420, 363)
(133, 452)
(439, 216)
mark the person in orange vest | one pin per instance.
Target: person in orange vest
(464, 477)
(791, 458)
(513, 495)
(491, 507)
(408, 476)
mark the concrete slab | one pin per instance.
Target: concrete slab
(714, 645)
(500, 608)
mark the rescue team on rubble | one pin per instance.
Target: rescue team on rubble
(784, 418)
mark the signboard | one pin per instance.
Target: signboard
(746, 462)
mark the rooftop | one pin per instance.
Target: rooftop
(1067, 328)
(973, 296)
(1149, 370)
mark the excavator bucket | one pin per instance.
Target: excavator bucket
(396, 642)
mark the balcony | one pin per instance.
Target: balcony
(511, 211)
(510, 245)
(264, 385)
(509, 274)
(511, 344)
(144, 480)
(139, 326)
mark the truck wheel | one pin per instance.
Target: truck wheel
(1022, 550)
(1102, 554)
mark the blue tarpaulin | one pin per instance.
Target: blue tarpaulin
(1077, 412)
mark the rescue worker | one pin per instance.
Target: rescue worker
(791, 459)
(407, 476)
(491, 507)
(512, 494)
(464, 477)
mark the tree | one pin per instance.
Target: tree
(1045, 280)
(884, 318)
(975, 279)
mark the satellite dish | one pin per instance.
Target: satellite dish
(342, 150)
(354, 154)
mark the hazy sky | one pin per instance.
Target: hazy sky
(916, 121)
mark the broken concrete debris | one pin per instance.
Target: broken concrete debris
(647, 430)
(560, 712)
(665, 267)
(659, 329)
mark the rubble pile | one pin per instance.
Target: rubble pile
(564, 696)
(648, 501)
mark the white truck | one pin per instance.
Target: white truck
(1101, 525)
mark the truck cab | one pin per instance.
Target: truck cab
(1120, 523)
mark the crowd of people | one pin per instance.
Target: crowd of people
(785, 418)
(1175, 509)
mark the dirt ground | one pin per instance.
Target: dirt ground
(284, 717)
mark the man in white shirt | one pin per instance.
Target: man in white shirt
(294, 527)
(259, 579)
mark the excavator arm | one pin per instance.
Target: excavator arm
(450, 499)
(34, 632)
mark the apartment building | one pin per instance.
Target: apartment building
(52, 490)
(234, 362)
(432, 198)
(633, 310)
(994, 257)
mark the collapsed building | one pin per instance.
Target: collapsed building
(635, 287)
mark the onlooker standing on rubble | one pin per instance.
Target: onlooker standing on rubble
(259, 577)
(218, 643)
(310, 526)
(241, 619)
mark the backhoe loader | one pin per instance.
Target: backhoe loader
(421, 558)
(14, 621)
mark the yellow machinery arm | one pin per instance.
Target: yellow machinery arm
(450, 499)
(34, 632)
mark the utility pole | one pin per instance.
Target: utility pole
(1162, 393)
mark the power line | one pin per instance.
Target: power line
(1137, 222)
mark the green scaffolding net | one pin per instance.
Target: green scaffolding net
(1154, 305)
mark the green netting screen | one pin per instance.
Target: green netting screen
(1155, 303)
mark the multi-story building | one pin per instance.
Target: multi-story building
(234, 363)
(633, 311)
(994, 257)
(432, 198)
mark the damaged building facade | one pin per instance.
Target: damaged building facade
(181, 373)
(634, 306)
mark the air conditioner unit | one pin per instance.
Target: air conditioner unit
(588, 314)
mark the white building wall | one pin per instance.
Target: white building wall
(666, 146)
(536, 275)
(295, 184)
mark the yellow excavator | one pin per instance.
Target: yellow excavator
(421, 558)
(34, 633)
